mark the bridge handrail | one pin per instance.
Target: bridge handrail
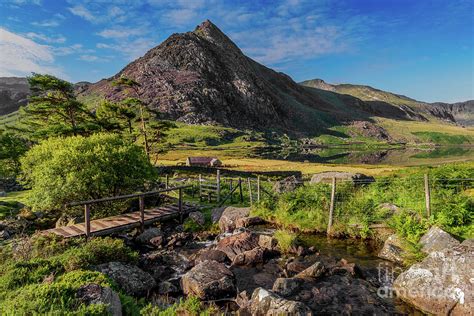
(128, 196)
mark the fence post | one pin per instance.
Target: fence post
(427, 196)
(241, 191)
(250, 191)
(167, 183)
(180, 205)
(258, 188)
(141, 205)
(87, 220)
(200, 189)
(218, 185)
(331, 206)
(231, 193)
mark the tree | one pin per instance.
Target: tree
(11, 149)
(113, 116)
(133, 88)
(53, 110)
(63, 170)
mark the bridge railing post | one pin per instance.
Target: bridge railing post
(180, 205)
(87, 220)
(141, 205)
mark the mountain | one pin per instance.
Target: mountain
(14, 92)
(461, 113)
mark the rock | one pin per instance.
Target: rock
(436, 239)
(148, 235)
(229, 217)
(250, 257)
(344, 267)
(442, 283)
(267, 242)
(198, 218)
(133, 280)
(216, 214)
(4, 234)
(236, 244)
(242, 299)
(209, 280)
(389, 208)
(167, 287)
(156, 241)
(286, 185)
(248, 221)
(468, 242)
(356, 178)
(313, 271)
(264, 302)
(287, 286)
(211, 254)
(295, 267)
(392, 249)
(3, 193)
(96, 294)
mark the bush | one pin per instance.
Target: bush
(62, 170)
(285, 239)
(189, 306)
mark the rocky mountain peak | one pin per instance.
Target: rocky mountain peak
(210, 32)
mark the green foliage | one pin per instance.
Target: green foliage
(62, 170)
(286, 239)
(53, 110)
(12, 148)
(47, 280)
(190, 306)
(409, 225)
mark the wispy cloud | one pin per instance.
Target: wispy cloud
(47, 39)
(21, 56)
(83, 12)
(120, 32)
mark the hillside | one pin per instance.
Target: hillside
(461, 113)
(13, 94)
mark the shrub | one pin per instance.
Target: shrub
(62, 170)
(189, 306)
(285, 239)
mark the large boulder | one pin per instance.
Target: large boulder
(250, 257)
(392, 249)
(227, 221)
(133, 280)
(356, 178)
(442, 283)
(237, 244)
(264, 302)
(248, 221)
(211, 254)
(314, 271)
(286, 185)
(96, 294)
(148, 235)
(437, 239)
(209, 280)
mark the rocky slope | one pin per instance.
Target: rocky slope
(461, 113)
(13, 94)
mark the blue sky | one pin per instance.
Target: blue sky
(420, 48)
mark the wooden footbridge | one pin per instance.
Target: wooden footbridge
(108, 225)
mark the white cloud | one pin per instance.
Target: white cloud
(119, 33)
(88, 58)
(83, 12)
(180, 16)
(21, 56)
(21, 2)
(72, 49)
(58, 39)
(46, 23)
(132, 49)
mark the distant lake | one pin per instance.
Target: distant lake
(341, 155)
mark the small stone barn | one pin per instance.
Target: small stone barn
(203, 162)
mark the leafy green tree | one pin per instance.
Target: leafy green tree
(63, 170)
(12, 147)
(115, 116)
(133, 88)
(53, 110)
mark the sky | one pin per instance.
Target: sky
(420, 48)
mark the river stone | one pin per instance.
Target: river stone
(209, 280)
(250, 257)
(96, 294)
(264, 302)
(267, 242)
(313, 271)
(211, 254)
(197, 217)
(442, 283)
(392, 249)
(356, 178)
(133, 280)
(229, 217)
(236, 244)
(287, 286)
(148, 235)
(437, 239)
